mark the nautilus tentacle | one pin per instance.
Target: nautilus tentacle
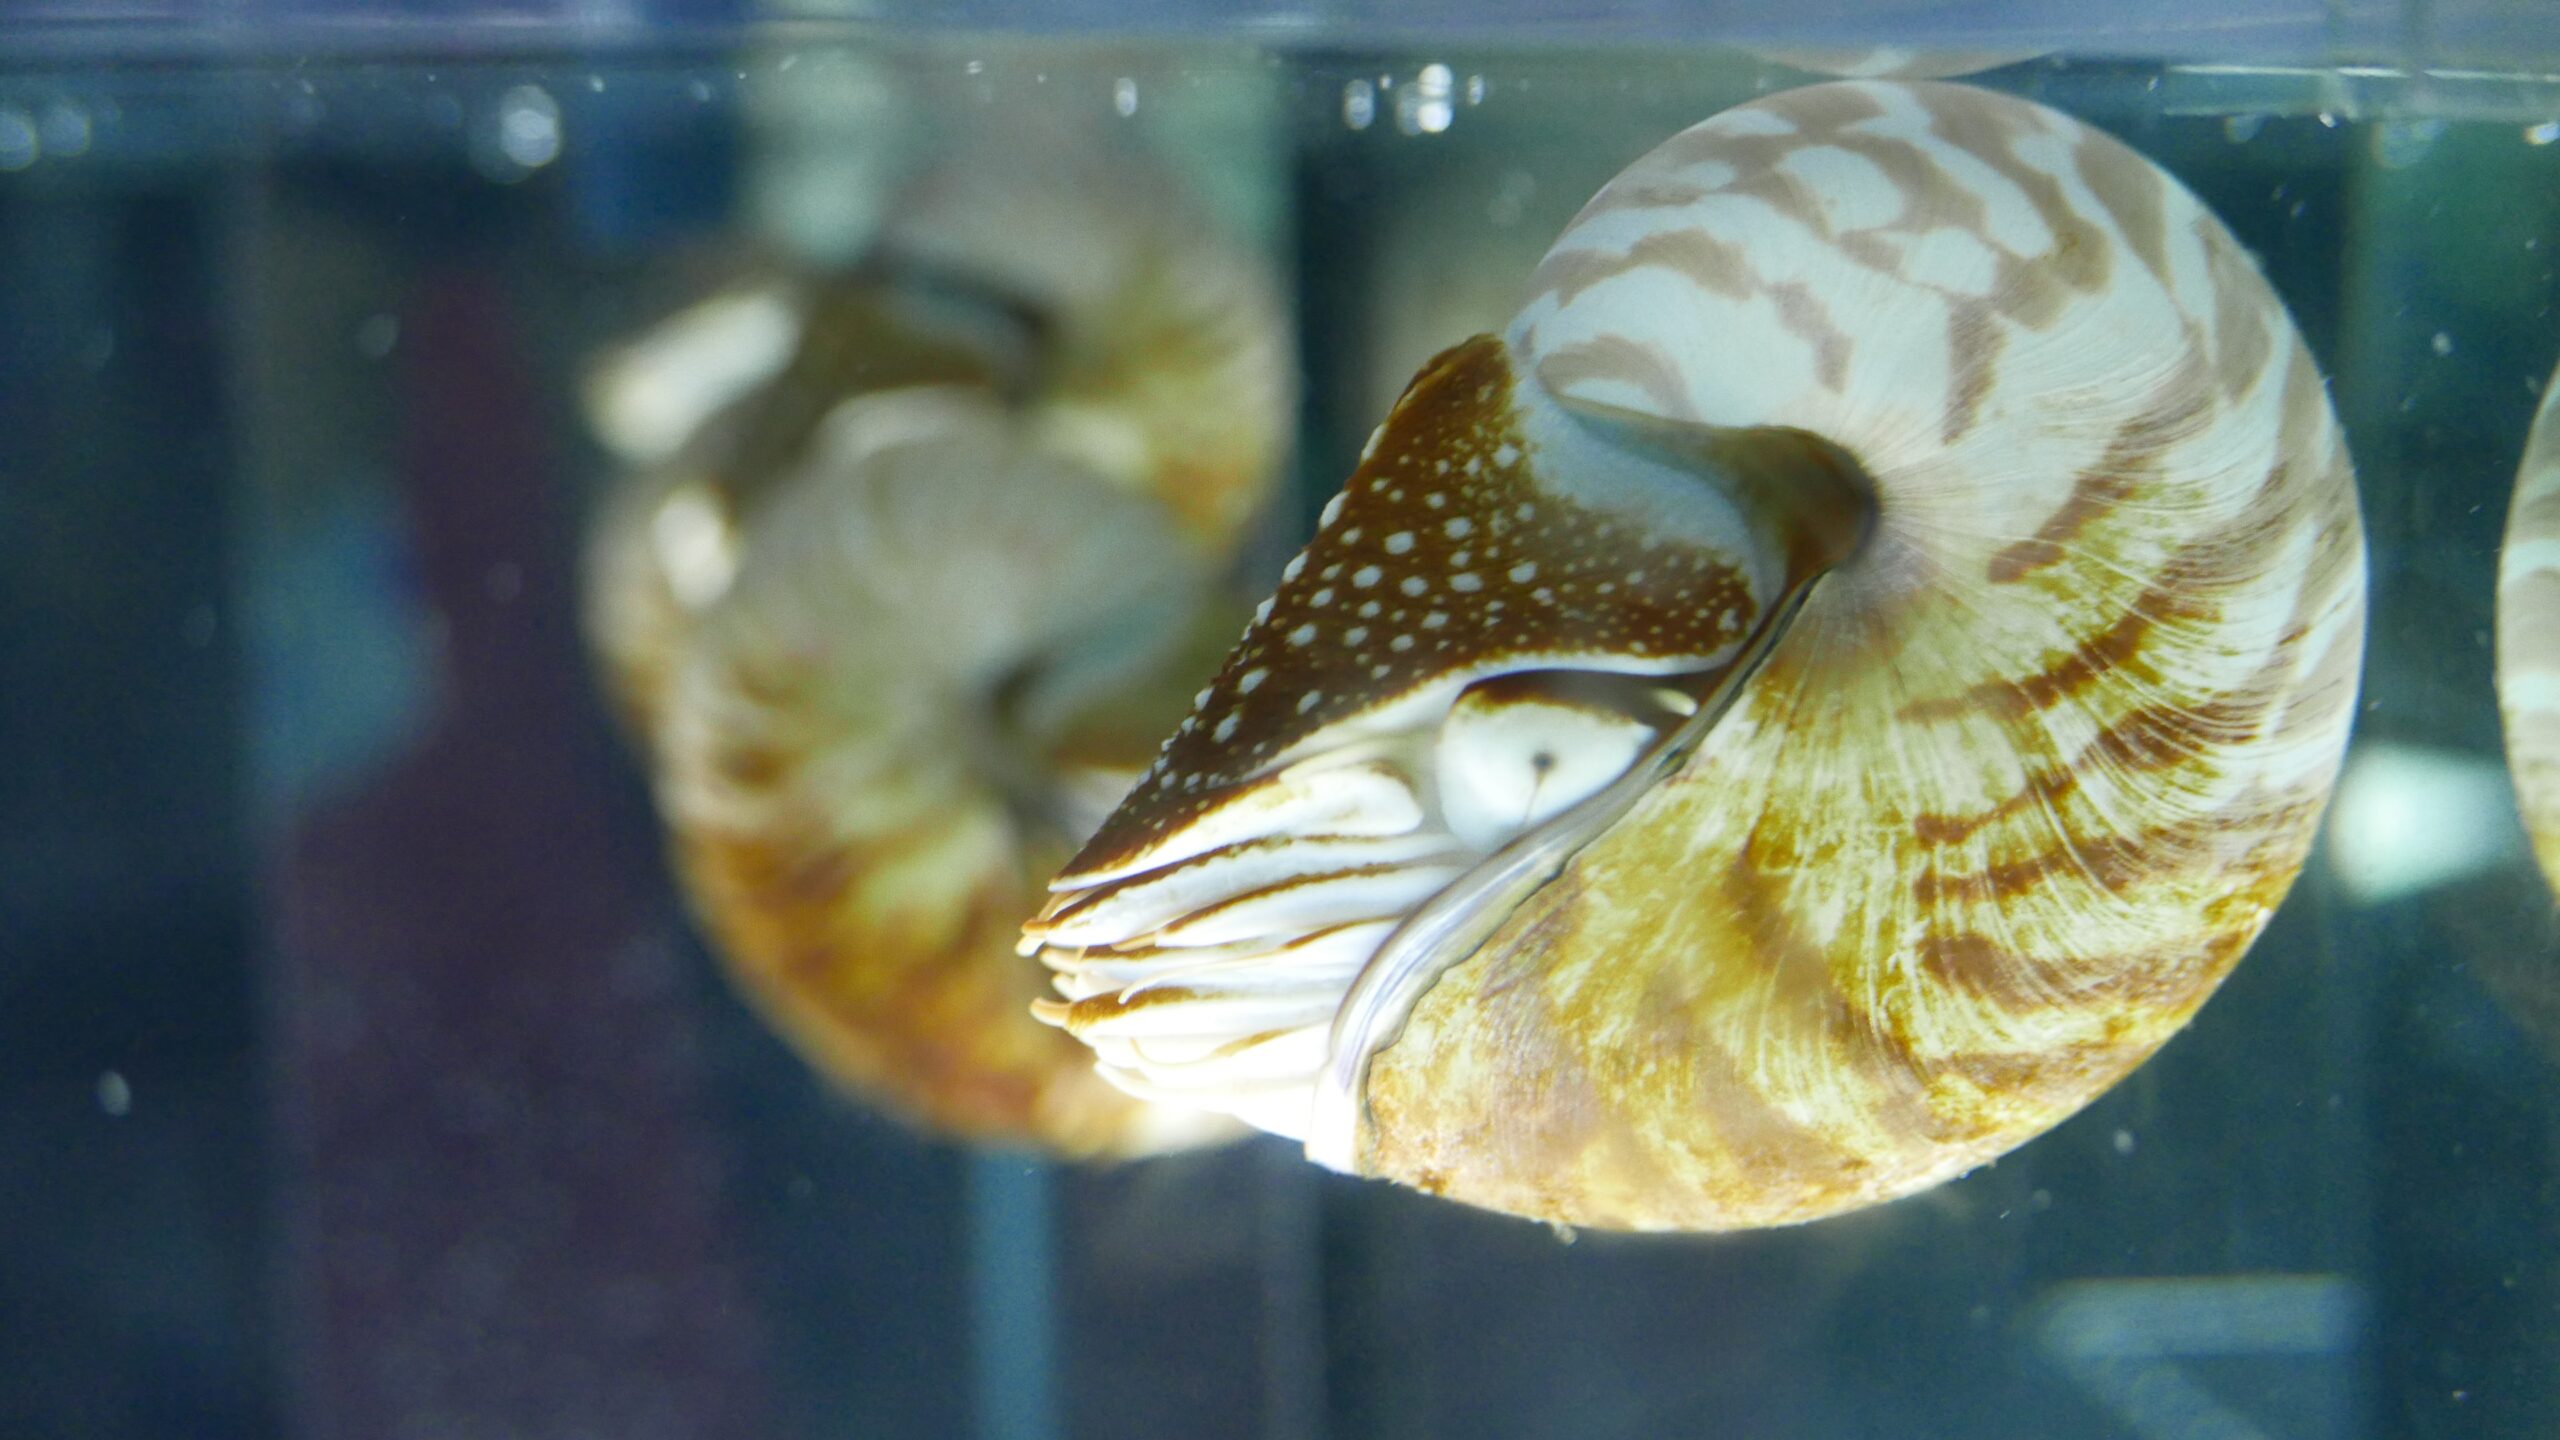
(2529, 634)
(1826, 694)
(906, 580)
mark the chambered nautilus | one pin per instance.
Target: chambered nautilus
(2529, 634)
(911, 572)
(1825, 694)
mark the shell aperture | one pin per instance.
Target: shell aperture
(2528, 641)
(1973, 639)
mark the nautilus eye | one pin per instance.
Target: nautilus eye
(906, 578)
(1825, 694)
(2529, 634)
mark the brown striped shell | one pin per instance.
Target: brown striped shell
(907, 576)
(1824, 696)
(2529, 634)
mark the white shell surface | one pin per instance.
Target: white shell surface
(647, 398)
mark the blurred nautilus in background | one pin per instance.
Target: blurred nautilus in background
(910, 566)
(2529, 634)
(1825, 694)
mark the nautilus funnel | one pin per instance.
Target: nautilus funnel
(1824, 695)
(911, 565)
(2529, 634)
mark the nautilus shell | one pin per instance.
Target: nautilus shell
(1827, 693)
(2529, 634)
(913, 566)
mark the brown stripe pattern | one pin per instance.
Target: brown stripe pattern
(2529, 634)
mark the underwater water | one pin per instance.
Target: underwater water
(364, 1070)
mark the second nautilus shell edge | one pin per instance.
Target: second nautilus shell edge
(1827, 692)
(2528, 634)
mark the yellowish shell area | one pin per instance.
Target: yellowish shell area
(902, 595)
(2029, 773)
(2529, 634)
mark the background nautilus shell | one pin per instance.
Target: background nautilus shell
(1825, 694)
(2529, 634)
(913, 563)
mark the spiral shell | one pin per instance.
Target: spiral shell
(905, 582)
(1824, 696)
(2529, 634)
